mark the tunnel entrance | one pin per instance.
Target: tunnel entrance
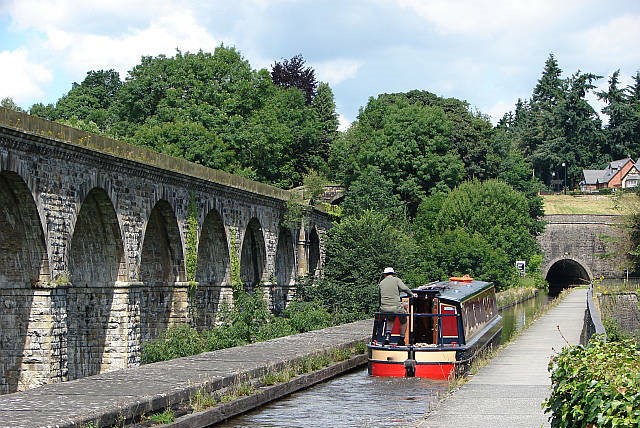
(566, 273)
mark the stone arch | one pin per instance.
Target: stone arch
(284, 270)
(252, 255)
(213, 251)
(96, 262)
(314, 253)
(23, 252)
(23, 264)
(212, 269)
(564, 272)
(161, 266)
(161, 258)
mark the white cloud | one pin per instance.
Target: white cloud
(613, 42)
(90, 51)
(22, 79)
(47, 15)
(336, 71)
(489, 17)
(343, 123)
(497, 110)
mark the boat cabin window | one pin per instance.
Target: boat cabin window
(449, 321)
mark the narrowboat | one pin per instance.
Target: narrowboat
(449, 323)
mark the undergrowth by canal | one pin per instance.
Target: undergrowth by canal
(252, 321)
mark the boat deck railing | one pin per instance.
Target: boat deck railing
(381, 318)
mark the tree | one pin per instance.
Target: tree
(281, 140)
(239, 120)
(91, 100)
(557, 125)
(371, 191)
(44, 111)
(187, 140)
(621, 130)
(325, 107)
(358, 248)
(293, 74)
(480, 228)
(549, 90)
(544, 138)
(408, 141)
(10, 104)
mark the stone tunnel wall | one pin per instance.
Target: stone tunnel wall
(93, 253)
(579, 238)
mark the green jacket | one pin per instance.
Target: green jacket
(390, 288)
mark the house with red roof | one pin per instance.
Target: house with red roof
(619, 174)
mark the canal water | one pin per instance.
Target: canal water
(359, 400)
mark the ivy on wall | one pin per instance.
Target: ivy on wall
(191, 257)
(236, 282)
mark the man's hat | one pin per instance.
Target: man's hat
(388, 270)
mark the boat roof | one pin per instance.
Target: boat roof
(457, 291)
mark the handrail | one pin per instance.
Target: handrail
(592, 322)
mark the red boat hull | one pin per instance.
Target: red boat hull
(439, 371)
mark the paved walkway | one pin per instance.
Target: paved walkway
(106, 398)
(510, 390)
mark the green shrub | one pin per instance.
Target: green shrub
(224, 337)
(596, 385)
(165, 417)
(177, 341)
(307, 316)
(275, 327)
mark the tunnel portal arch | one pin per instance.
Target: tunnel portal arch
(566, 272)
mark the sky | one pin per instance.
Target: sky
(486, 52)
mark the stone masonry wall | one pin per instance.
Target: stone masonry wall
(622, 307)
(580, 238)
(95, 261)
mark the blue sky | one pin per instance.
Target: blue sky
(489, 53)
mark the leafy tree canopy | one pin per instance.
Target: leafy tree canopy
(358, 249)
(292, 73)
(210, 108)
(480, 228)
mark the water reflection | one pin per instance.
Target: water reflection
(359, 400)
(515, 318)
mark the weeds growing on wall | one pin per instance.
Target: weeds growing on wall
(191, 243)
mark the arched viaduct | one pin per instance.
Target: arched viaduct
(574, 248)
(103, 245)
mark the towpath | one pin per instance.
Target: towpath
(509, 391)
(105, 399)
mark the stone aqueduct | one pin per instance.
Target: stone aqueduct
(94, 252)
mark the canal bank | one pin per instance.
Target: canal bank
(112, 398)
(510, 390)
